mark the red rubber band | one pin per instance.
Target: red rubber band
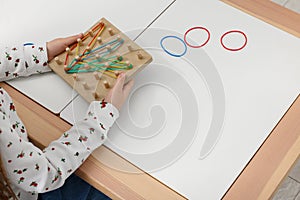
(197, 46)
(234, 31)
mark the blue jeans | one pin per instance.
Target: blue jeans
(74, 189)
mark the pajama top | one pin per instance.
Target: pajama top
(29, 169)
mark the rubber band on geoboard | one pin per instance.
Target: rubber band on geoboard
(168, 52)
(234, 49)
(194, 28)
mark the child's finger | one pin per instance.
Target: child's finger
(72, 39)
(127, 88)
(120, 82)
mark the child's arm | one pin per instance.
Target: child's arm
(27, 59)
(34, 170)
(22, 61)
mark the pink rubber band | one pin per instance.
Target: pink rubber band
(234, 31)
(197, 46)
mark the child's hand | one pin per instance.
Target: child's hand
(59, 45)
(119, 93)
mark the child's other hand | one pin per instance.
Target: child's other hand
(59, 45)
(119, 93)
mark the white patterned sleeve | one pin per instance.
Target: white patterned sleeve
(22, 60)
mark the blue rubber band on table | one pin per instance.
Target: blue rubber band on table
(26, 44)
(168, 52)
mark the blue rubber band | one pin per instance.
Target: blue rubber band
(26, 44)
(168, 52)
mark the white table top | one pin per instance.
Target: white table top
(260, 83)
(41, 21)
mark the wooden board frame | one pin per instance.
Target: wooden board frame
(271, 13)
(85, 83)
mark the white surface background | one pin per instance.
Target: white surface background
(260, 84)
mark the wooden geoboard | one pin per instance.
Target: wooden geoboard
(92, 65)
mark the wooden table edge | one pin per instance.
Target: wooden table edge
(115, 184)
(118, 185)
(272, 161)
(271, 13)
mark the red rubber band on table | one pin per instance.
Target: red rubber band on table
(234, 31)
(197, 46)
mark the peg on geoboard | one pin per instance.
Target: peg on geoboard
(66, 68)
(111, 32)
(108, 47)
(96, 75)
(75, 77)
(140, 55)
(98, 56)
(99, 39)
(129, 47)
(96, 95)
(68, 50)
(91, 33)
(58, 61)
(127, 63)
(117, 73)
(79, 41)
(106, 64)
(88, 48)
(85, 85)
(77, 58)
(119, 57)
(106, 84)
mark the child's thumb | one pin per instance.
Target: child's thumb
(127, 88)
(120, 82)
(72, 39)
